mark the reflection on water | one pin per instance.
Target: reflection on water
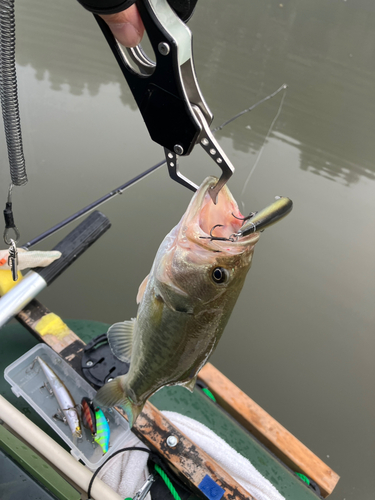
(65, 45)
(325, 54)
(334, 168)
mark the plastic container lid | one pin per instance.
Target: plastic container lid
(27, 380)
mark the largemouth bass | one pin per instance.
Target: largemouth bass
(184, 303)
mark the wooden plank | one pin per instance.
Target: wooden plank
(153, 428)
(265, 428)
(50, 328)
(189, 462)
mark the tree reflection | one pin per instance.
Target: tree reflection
(323, 50)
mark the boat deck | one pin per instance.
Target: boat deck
(16, 340)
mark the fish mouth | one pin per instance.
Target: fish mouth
(205, 223)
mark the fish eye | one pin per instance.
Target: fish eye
(219, 275)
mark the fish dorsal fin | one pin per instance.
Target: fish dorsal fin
(120, 338)
(141, 289)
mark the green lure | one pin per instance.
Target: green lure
(102, 430)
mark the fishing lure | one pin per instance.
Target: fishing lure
(94, 420)
(64, 398)
(102, 430)
(88, 415)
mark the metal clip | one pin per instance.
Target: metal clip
(9, 220)
(141, 494)
(13, 260)
(212, 148)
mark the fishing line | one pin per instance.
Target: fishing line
(133, 181)
(153, 456)
(284, 86)
(130, 448)
(264, 143)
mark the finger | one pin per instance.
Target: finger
(126, 26)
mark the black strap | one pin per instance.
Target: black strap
(8, 216)
(106, 6)
(183, 8)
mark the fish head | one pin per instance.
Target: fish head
(195, 269)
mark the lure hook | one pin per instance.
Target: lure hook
(251, 214)
(216, 238)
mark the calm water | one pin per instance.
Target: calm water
(301, 341)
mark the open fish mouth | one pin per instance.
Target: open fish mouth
(211, 225)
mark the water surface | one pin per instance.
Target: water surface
(301, 339)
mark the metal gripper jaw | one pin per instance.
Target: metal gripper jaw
(212, 148)
(167, 92)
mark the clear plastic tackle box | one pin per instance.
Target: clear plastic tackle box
(27, 380)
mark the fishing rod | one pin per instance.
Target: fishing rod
(123, 187)
(93, 205)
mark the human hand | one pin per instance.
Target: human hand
(126, 26)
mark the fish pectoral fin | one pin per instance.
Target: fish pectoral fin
(190, 384)
(120, 339)
(141, 289)
(113, 394)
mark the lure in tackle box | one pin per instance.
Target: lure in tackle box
(94, 420)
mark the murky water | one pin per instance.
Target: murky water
(301, 341)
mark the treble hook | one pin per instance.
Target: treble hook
(216, 238)
(251, 214)
(9, 220)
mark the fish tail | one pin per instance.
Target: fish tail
(113, 393)
(132, 411)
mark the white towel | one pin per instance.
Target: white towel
(229, 459)
(127, 472)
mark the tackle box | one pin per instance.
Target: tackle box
(27, 380)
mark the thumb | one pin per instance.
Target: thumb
(126, 26)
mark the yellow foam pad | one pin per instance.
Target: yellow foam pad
(6, 281)
(52, 324)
